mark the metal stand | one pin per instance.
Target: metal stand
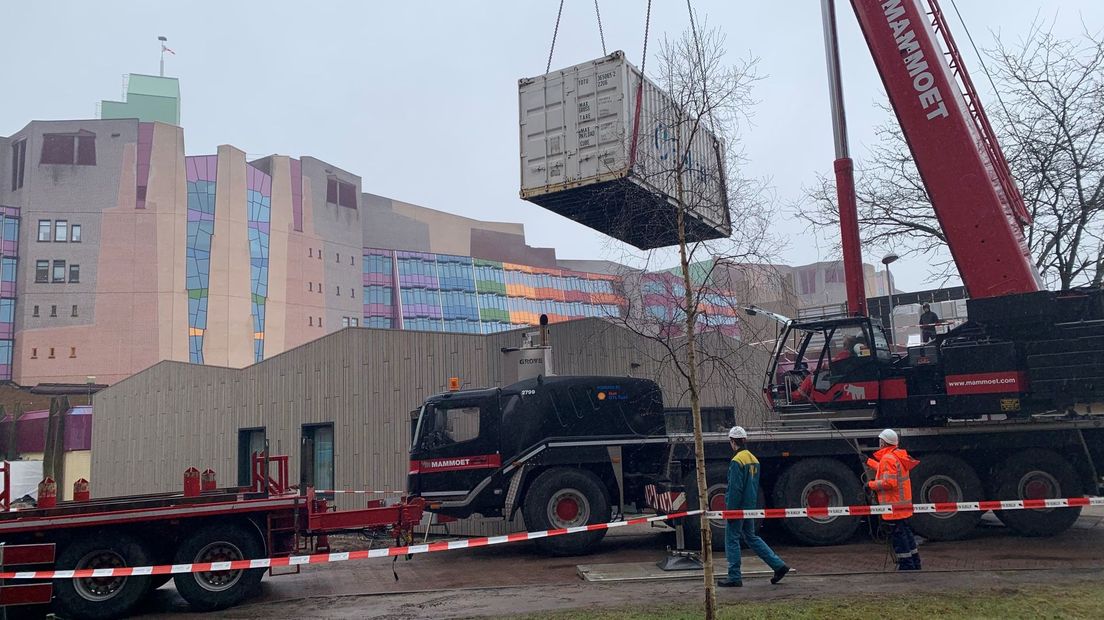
(679, 558)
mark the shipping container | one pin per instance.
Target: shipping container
(577, 130)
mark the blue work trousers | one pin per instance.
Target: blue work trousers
(736, 529)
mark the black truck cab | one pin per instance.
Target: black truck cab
(467, 443)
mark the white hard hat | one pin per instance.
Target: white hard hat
(737, 432)
(888, 436)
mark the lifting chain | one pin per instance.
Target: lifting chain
(601, 33)
(555, 32)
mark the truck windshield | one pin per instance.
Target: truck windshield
(442, 424)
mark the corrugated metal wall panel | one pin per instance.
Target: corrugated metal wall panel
(152, 426)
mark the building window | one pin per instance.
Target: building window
(310, 286)
(250, 441)
(51, 356)
(339, 291)
(355, 322)
(72, 350)
(319, 288)
(53, 311)
(34, 353)
(18, 163)
(352, 292)
(351, 261)
(74, 273)
(316, 467)
(44, 230)
(42, 271)
(61, 231)
(35, 311)
(344, 321)
(310, 252)
(320, 321)
(340, 193)
(79, 149)
(75, 233)
(74, 310)
(338, 257)
(59, 271)
(319, 253)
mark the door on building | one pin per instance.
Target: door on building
(250, 440)
(316, 465)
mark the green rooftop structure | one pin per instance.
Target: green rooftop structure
(149, 98)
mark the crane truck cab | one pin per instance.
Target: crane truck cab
(541, 446)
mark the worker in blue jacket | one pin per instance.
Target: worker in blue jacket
(743, 494)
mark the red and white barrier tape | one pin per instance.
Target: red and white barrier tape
(484, 541)
(325, 558)
(355, 492)
(905, 509)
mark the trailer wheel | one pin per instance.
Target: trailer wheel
(215, 590)
(716, 477)
(1037, 474)
(819, 482)
(945, 478)
(101, 597)
(566, 497)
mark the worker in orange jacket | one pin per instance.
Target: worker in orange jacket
(891, 482)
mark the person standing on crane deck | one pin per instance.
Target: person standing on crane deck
(928, 321)
(743, 494)
(891, 482)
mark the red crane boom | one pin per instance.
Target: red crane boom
(979, 207)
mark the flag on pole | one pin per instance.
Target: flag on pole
(166, 49)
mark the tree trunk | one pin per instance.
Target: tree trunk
(695, 408)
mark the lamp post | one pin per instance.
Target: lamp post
(886, 260)
(90, 381)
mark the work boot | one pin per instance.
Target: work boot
(728, 583)
(779, 574)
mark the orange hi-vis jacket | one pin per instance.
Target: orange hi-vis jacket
(891, 481)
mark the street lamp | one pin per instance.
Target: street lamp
(886, 260)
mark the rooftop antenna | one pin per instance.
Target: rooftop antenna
(163, 39)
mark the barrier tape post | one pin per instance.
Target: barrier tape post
(484, 541)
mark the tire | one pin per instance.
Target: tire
(819, 482)
(1037, 474)
(566, 497)
(156, 581)
(716, 479)
(945, 478)
(217, 543)
(107, 597)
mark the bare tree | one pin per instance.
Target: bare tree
(689, 310)
(1050, 121)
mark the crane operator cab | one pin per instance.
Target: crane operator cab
(829, 369)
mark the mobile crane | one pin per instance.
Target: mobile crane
(997, 408)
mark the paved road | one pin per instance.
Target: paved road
(485, 581)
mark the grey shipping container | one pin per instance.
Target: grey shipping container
(577, 128)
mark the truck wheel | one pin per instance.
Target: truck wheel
(214, 590)
(945, 478)
(819, 482)
(101, 597)
(716, 477)
(566, 497)
(156, 581)
(1037, 474)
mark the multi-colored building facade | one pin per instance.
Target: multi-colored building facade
(119, 250)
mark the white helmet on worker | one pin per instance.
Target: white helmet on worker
(889, 436)
(737, 432)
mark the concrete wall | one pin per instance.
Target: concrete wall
(150, 427)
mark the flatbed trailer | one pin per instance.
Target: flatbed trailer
(570, 451)
(269, 519)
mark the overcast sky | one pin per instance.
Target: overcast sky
(420, 98)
